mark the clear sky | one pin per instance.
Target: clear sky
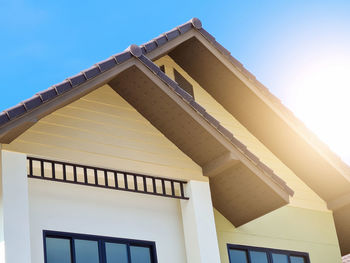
(299, 49)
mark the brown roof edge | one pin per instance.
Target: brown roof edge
(69, 84)
(196, 24)
(309, 135)
(42, 97)
(137, 52)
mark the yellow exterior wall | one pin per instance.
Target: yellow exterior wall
(304, 225)
(103, 130)
(288, 228)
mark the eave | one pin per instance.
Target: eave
(138, 80)
(234, 87)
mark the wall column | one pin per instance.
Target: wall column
(14, 208)
(199, 224)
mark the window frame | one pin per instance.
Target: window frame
(268, 251)
(101, 244)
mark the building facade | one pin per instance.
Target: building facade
(167, 152)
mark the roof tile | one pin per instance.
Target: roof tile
(161, 40)
(15, 111)
(196, 23)
(235, 62)
(149, 46)
(248, 74)
(225, 132)
(198, 107)
(251, 156)
(92, 72)
(170, 35)
(122, 57)
(207, 35)
(222, 49)
(3, 118)
(278, 179)
(77, 79)
(63, 87)
(239, 144)
(183, 94)
(48, 94)
(107, 64)
(211, 119)
(185, 27)
(150, 64)
(167, 80)
(32, 102)
(265, 167)
(144, 50)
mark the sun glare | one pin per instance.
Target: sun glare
(322, 100)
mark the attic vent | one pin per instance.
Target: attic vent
(183, 83)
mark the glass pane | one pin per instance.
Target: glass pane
(58, 250)
(258, 257)
(86, 251)
(295, 259)
(238, 256)
(140, 254)
(116, 253)
(279, 258)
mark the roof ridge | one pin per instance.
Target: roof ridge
(68, 84)
(139, 53)
(71, 82)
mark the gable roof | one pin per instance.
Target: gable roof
(58, 89)
(24, 107)
(273, 190)
(339, 197)
(70, 83)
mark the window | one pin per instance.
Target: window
(245, 254)
(183, 83)
(76, 248)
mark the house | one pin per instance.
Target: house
(168, 152)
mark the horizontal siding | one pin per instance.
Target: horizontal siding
(288, 228)
(304, 196)
(102, 129)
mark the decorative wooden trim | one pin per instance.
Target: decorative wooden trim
(64, 172)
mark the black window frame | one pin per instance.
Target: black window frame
(101, 243)
(268, 251)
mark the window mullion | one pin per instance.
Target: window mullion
(248, 256)
(102, 251)
(128, 251)
(72, 250)
(269, 256)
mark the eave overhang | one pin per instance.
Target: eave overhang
(213, 67)
(234, 87)
(243, 188)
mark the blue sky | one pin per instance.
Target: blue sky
(43, 42)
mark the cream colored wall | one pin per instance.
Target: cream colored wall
(304, 225)
(103, 130)
(96, 211)
(288, 228)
